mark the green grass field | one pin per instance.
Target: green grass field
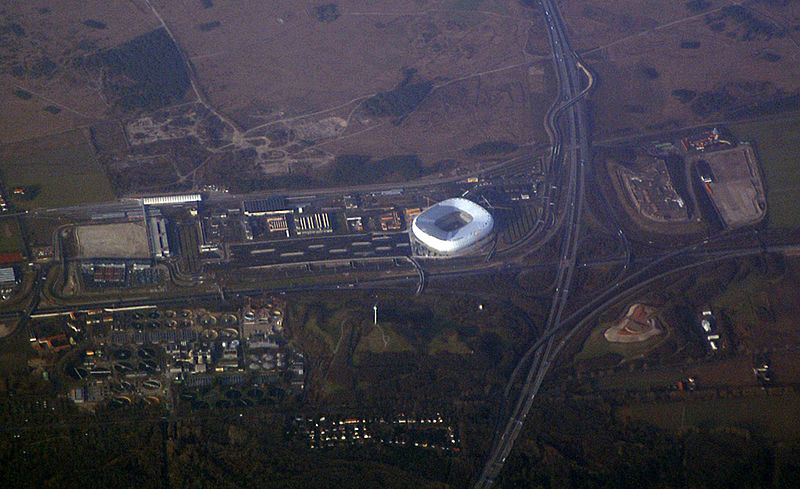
(11, 240)
(373, 341)
(778, 416)
(778, 145)
(596, 344)
(448, 342)
(58, 170)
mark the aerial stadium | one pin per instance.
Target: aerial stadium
(451, 227)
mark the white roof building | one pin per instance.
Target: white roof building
(7, 276)
(172, 199)
(452, 225)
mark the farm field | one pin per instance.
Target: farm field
(11, 240)
(56, 171)
(778, 146)
(776, 414)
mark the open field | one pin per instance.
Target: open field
(56, 171)
(471, 80)
(426, 80)
(668, 65)
(776, 414)
(382, 339)
(778, 146)
(763, 307)
(120, 240)
(448, 342)
(11, 240)
(44, 92)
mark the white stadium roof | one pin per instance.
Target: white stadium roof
(452, 225)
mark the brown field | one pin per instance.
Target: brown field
(635, 48)
(38, 59)
(118, 240)
(277, 65)
(270, 57)
(272, 66)
(498, 108)
(269, 65)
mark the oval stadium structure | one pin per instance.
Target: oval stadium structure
(452, 226)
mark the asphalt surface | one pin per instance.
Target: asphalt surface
(320, 248)
(576, 155)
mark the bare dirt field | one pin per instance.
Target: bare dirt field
(664, 65)
(737, 192)
(122, 240)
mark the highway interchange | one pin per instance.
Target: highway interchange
(570, 157)
(576, 155)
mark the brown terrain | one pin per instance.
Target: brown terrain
(664, 65)
(299, 84)
(261, 89)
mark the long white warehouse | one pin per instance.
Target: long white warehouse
(451, 226)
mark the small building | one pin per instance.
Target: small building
(104, 272)
(210, 235)
(277, 223)
(354, 224)
(709, 331)
(8, 277)
(352, 201)
(390, 221)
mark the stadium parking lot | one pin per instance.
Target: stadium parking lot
(320, 248)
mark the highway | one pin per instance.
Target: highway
(567, 125)
(576, 155)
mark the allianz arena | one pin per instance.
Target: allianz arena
(451, 227)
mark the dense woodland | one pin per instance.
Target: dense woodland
(575, 444)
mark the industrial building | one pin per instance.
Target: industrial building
(159, 244)
(8, 277)
(451, 227)
(316, 223)
(172, 199)
(263, 207)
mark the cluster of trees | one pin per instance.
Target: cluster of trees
(362, 169)
(327, 13)
(400, 101)
(580, 444)
(755, 27)
(147, 72)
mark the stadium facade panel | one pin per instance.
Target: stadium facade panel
(452, 226)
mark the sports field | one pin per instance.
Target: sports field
(55, 171)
